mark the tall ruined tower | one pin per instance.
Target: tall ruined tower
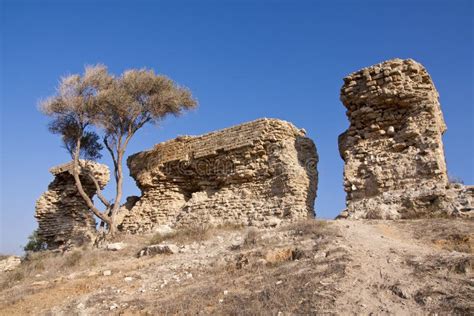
(393, 149)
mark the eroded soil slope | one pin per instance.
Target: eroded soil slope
(382, 267)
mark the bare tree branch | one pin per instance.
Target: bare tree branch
(112, 154)
(99, 191)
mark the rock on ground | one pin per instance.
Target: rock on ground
(9, 263)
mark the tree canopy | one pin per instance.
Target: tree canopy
(115, 107)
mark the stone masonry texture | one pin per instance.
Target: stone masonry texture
(63, 216)
(393, 151)
(257, 173)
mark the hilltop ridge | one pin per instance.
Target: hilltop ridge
(366, 266)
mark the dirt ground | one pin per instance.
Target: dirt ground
(334, 267)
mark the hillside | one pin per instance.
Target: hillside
(366, 266)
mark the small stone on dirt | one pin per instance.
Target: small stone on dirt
(116, 246)
(164, 230)
(113, 306)
(167, 249)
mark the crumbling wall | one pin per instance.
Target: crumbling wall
(62, 214)
(257, 173)
(393, 150)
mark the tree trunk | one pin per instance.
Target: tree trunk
(112, 227)
(118, 197)
(80, 189)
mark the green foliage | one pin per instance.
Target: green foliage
(70, 130)
(35, 243)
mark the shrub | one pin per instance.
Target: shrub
(35, 243)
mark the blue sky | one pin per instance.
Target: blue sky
(242, 59)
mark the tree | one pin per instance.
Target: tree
(74, 109)
(116, 107)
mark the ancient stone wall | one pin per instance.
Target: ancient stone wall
(393, 150)
(63, 216)
(257, 173)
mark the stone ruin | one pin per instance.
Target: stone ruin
(393, 150)
(257, 173)
(62, 214)
(262, 172)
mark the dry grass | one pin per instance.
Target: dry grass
(48, 265)
(247, 287)
(435, 264)
(184, 235)
(72, 259)
(33, 265)
(299, 268)
(456, 297)
(311, 227)
(197, 233)
(457, 242)
(11, 277)
(251, 238)
(261, 292)
(442, 234)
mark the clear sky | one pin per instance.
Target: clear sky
(242, 59)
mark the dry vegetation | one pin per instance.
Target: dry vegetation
(443, 235)
(50, 265)
(197, 233)
(310, 267)
(265, 276)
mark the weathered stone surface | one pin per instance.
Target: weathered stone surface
(461, 199)
(9, 263)
(164, 230)
(116, 246)
(63, 216)
(247, 174)
(393, 150)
